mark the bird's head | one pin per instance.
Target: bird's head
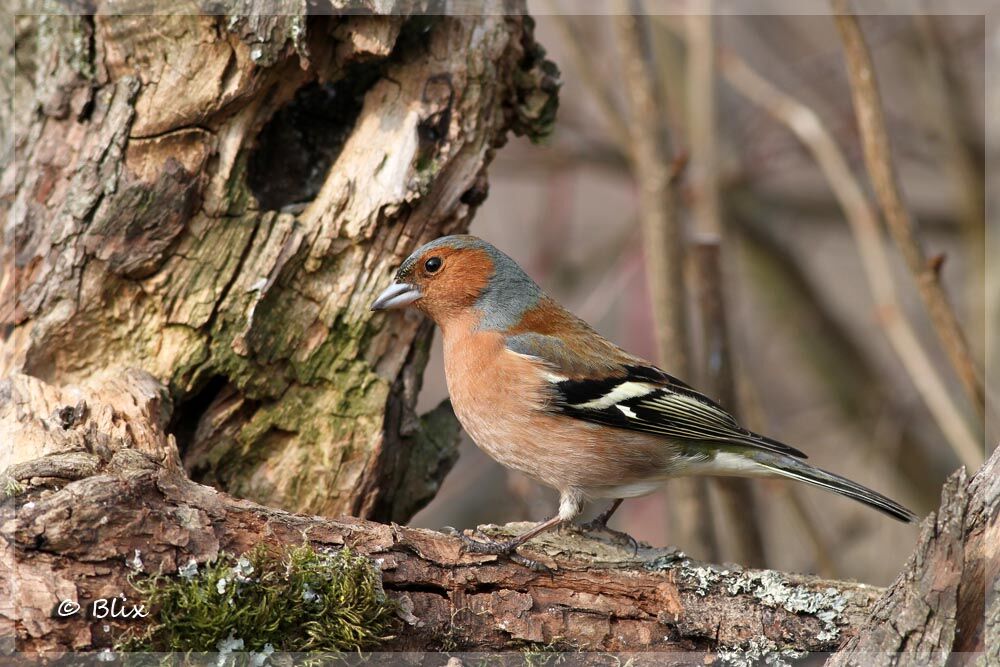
(458, 276)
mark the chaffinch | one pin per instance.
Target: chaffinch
(541, 392)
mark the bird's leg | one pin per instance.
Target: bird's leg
(506, 547)
(570, 503)
(600, 524)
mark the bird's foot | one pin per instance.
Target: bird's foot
(488, 546)
(506, 548)
(617, 536)
(533, 565)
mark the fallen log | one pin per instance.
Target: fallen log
(96, 491)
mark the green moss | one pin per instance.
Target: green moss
(70, 36)
(295, 600)
(427, 168)
(541, 655)
(10, 487)
(347, 337)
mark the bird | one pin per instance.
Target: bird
(541, 392)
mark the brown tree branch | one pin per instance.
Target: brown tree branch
(878, 159)
(992, 249)
(652, 166)
(944, 106)
(741, 516)
(98, 479)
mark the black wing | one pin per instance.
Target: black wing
(639, 397)
(665, 406)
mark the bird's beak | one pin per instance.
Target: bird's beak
(396, 295)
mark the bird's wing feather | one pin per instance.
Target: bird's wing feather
(610, 387)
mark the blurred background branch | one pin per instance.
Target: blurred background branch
(963, 163)
(864, 397)
(741, 521)
(882, 171)
(613, 115)
(656, 172)
(806, 125)
(991, 278)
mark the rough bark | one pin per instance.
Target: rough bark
(944, 608)
(217, 199)
(100, 478)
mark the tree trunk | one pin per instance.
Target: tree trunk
(217, 199)
(944, 608)
(129, 502)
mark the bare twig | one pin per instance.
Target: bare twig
(651, 162)
(962, 163)
(701, 123)
(821, 547)
(654, 172)
(806, 125)
(736, 494)
(992, 305)
(878, 159)
(835, 355)
(593, 80)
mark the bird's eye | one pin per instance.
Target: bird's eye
(432, 264)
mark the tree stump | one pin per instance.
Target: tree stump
(217, 199)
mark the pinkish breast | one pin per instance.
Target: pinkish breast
(500, 399)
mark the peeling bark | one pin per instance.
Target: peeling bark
(110, 483)
(218, 199)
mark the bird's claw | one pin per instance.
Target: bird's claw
(533, 565)
(487, 546)
(496, 548)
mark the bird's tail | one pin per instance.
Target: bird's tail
(786, 466)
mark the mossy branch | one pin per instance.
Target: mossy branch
(82, 534)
